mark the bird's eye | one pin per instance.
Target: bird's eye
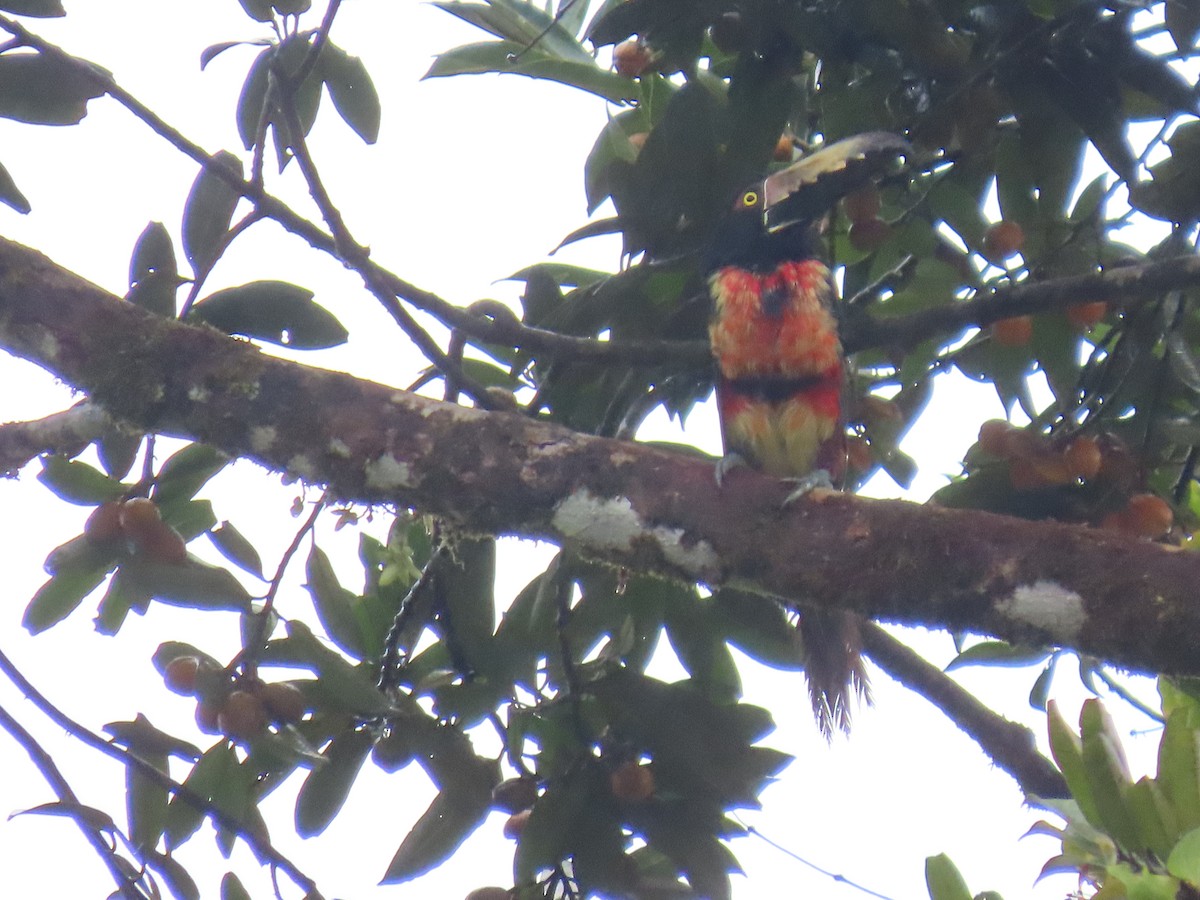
(750, 198)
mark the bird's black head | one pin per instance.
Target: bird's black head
(774, 220)
(744, 237)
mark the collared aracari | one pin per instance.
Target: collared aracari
(781, 372)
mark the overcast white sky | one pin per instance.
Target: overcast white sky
(472, 178)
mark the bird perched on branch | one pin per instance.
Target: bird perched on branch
(781, 372)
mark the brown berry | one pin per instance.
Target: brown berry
(868, 235)
(180, 675)
(632, 782)
(863, 204)
(515, 794)
(784, 149)
(1002, 240)
(1028, 473)
(1148, 515)
(516, 824)
(162, 542)
(631, 58)
(103, 526)
(858, 454)
(1085, 315)
(208, 717)
(137, 512)
(1014, 332)
(285, 702)
(1083, 457)
(995, 437)
(242, 716)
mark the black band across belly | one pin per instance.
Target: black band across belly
(773, 389)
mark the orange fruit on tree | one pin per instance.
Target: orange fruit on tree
(1083, 457)
(242, 715)
(1014, 332)
(631, 58)
(863, 204)
(180, 675)
(632, 782)
(1085, 315)
(995, 437)
(868, 235)
(1002, 240)
(1148, 515)
(516, 824)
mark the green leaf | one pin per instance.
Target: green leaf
(502, 57)
(192, 583)
(185, 472)
(208, 212)
(1067, 750)
(352, 91)
(254, 95)
(11, 194)
(153, 273)
(468, 582)
(449, 820)
(236, 548)
(525, 24)
(41, 90)
(118, 600)
(258, 10)
(1184, 861)
(77, 482)
(183, 818)
(39, 9)
(232, 888)
(146, 802)
(944, 880)
(1156, 824)
(60, 596)
(1108, 774)
(118, 450)
(328, 785)
(997, 653)
(173, 874)
(272, 311)
(335, 605)
(88, 815)
(1178, 764)
(1183, 23)
(340, 684)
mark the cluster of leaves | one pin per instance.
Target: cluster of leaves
(1129, 838)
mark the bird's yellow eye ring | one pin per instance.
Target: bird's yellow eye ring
(750, 198)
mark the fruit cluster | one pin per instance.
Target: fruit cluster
(239, 707)
(137, 524)
(1002, 240)
(1037, 462)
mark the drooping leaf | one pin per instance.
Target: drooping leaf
(42, 90)
(208, 211)
(77, 482)
(335, 604)
(11, 194)
(352, 91)
(273, 311)
(236, 548)
(41, 9)
(449, 820)
(258, 10)
(253, 97)
(997, 653)
(232, 888)
(506, 57)
(61, 595)
(944, 880)
(328, 785)
(193, 584)
(185, 472)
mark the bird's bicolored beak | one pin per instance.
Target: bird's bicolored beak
(809, 187)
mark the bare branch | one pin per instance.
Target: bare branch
(1012, 747)
(1128, 601)
(258, 842)
(66, 432)
(124, 875)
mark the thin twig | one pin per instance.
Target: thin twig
(262, 847)
(1010, 746)
(54, 777)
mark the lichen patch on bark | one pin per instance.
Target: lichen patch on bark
(1047, 606)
